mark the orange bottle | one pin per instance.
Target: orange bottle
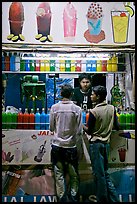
(87, 117)
(26, 119)
(19, 119)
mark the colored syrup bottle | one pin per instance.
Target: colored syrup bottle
(8, 120)
(37, 65)
(22, 64)
(26, 119)
(14, 121)
(52, 65)
(94, 65)
(37, 120)
(20, 119)
(104, 65)
(128, 121)
(47, 65)
(133, 120)
(32, 120)
(4, 118)
(114, 63)
(67, 65)
(78, 66)
(17, 62)
(89, 66)
(87, 117)
(32, 64)
(109, 65)
(121, 62)
(3, 61)
(7, 62)
(47, 121)
(57, 65)
(62, 65)
(12, 62)
(122, 120)
(83, 117)
(99, 66)
(83, 66)
(43, 120)
(72, 66)
(42, 65)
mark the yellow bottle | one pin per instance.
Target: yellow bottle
(42, 65)
(114, 64)
(109, 65)
(62, 65)
(98, 66)
(73, 66)
(47, 65)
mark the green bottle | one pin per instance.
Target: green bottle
(4, 120)
(14, 120)
(22, 64)
(9, 120)
(122, 120)
(128, 121)
(67, 65)
(133, 120)
(52, 65)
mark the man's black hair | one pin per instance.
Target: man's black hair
(100, 91)
(66, 90)
(84, 76)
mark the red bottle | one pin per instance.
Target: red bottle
(7, 62)
(26, 119)
(87, 117)
(19, 119)
(31, 120)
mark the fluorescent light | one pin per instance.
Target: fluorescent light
(38, 56)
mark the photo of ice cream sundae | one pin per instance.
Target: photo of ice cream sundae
(94, 34)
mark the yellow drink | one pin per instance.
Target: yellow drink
(120, 27)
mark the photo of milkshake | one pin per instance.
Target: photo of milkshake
(16, 20)
(94, 16)
(120, 24)
(69, 21)
(43, 17)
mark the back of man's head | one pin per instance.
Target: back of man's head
(66, 91)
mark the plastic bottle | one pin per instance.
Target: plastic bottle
(14, 120)
(122, 120)
(37, 66)
(32, 64)
(12, 62)
(73, 66)
(20, 119)
(32, 120)
(26, 119)
(128, 121)
(88, 65)
(4, 118)
(83, 66)
(42, 65)
(47, 65)
(78, 65)
(109, 65)
(104, 65)
(57, 66)
(87, 117)
(43, 120)
(121, 62)
(8, 120)
(133, 120)
(84, 117)
(114, 63)
(27, 64)
(3, 61)
(17, 62)
(52, 65)
(67, 65)
(37, 120)
(47, 121)
(7, 62)
(99, 66)
(62, 65)
(94, 65)
(22, 64)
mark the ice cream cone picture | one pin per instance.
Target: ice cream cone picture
(16, 20)
(43, 16)
(94, 34)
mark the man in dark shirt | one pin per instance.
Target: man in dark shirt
(82, 93)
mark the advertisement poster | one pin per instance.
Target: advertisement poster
(101, 23)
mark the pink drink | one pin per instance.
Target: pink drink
(69, 20)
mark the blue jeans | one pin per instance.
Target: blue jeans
(105, 189)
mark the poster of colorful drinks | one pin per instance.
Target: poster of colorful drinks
(93, 30)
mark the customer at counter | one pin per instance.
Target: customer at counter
(102, 119)
(81, 96)
(66, 123)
